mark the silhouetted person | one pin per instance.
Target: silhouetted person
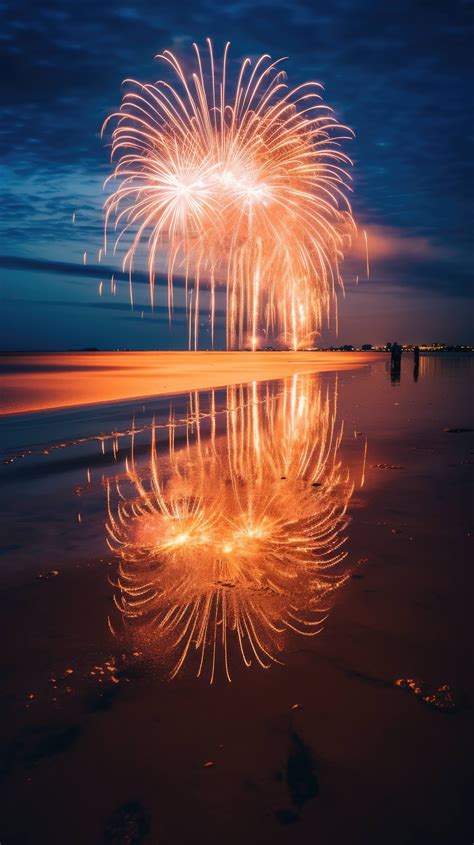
(395, 362)
(396, 354)
(416, 363)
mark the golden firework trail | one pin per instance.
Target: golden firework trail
(242, 186)
(234, 540)
(367, 254)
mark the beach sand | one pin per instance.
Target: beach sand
(67, 379)
(87, 760)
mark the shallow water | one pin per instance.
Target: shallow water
(336, 504)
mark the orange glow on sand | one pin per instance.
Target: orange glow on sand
(63, 380)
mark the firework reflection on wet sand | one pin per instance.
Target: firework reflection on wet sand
(238, 540)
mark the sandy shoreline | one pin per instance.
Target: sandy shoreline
(63, 380)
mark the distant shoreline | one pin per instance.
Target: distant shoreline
(465, 349)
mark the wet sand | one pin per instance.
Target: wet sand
(359, 762)
(62, 380)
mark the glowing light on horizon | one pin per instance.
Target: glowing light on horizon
(233, 542)
(244, 190)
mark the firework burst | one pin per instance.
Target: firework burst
(234, 542)
(241, 185)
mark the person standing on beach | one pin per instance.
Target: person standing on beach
(396, 354)
(395, 362)
(416, 362)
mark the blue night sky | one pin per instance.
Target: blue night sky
(397, 73)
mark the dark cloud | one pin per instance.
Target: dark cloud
(159, 312)
(67, 268)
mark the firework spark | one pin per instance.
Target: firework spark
(367, 254)
(246, 188)
(235, 541)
